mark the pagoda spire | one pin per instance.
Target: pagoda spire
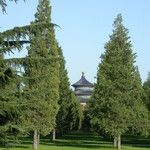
(83, 74)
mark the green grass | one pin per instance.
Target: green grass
(80, 141)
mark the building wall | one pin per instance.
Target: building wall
(84, 93)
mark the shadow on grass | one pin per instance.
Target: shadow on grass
(83, 140)
(22, 146)
(86, 140)
(23, 143)
(136, 141)
(79, 141)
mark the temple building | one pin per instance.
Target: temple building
(83, 90)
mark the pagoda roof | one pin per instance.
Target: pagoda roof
(83, 82)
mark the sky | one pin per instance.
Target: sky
(85, 28)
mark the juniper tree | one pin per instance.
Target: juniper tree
(140, 115)
(146, 87)
(43, 72)
(64, 101)
(70, 114)
(114, 105)
(75, 113)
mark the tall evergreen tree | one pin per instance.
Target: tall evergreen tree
(70, 114)
(75, 113)
(42, 69)
(116, 101)
(146, 87)
(140, 115)
(64, 92)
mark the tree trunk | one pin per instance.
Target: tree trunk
(54, 135)
(38, 137)
(35, 140)
(117, 142)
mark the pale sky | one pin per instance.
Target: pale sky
(86, 26)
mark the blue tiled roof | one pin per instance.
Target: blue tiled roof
(83, 82)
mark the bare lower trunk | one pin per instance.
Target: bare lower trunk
(117, 142)
(38, 137)
(54, 135)
(35, 140)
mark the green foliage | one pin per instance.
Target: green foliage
(69, 115)
(43, 12)
(42, 90)
(40, 93)
(146, 87)
(139, 115)
(116, 104)
(3, 4)
(11, 106)
(16, 37)
(64, 101)
(75, 113)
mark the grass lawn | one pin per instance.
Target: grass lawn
(82, 141)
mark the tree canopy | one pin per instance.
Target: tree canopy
(69, 116)
(146, 87)
(115, 104)
(43, 72)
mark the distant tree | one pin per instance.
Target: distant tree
(65, 99)
(75, 113)
(69, 116)
(116, 104)
(86, 126)
(146, 87)
(140, 115)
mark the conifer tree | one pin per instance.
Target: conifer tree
(10, 104)
(64, 92)
(42, 69)
(75, 115)
(140, 115)
(146, 87)
(70, 114)
(116, 101)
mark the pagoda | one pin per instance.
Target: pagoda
(83, 90)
